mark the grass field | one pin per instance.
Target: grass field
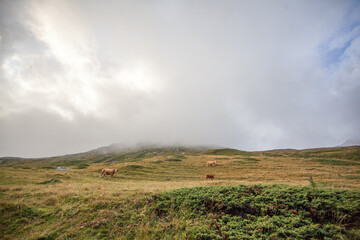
(142, 200)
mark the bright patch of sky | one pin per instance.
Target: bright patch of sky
(252, 75)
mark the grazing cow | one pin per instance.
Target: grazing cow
(209, 176)
(107, 171)
(211, 163)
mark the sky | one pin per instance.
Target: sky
(253, 75)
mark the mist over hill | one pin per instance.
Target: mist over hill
(164, 190)
(251, 75)
(123, 148)
(351, 142)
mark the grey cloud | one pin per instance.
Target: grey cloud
(249, 75)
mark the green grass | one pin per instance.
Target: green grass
(82, 166)
(351, 176)
(25, 167)
(228, 152)
(217, 212)
(48, 167)
(134, 166)
(140, 155)
(173, 160)
(157, 161)
(251, 159)
(51, 181)
(260, 212)
(325, 150)
(246, 160)
(243, 162)
(16, 218)
(350, 153)
(343, 153)
(335, 162)
(164, 195)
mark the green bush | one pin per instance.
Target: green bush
(48, 167)
(134, 166)
(335, 162)
(14, 217)
(173, 160)
(157, 161)
(228, 151)
(82, 166)
(51, 181)
(351, 176)
(261, 212)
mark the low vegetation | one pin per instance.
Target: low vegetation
(228, 152)
(163, 194)
(256, 212)
(173, 160)
(50, 181)
(335, 162)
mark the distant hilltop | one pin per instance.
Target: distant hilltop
(351, 142)
(121, 148)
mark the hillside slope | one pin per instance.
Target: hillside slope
(161, 193)
(338, 167)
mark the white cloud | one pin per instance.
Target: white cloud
(250, 75)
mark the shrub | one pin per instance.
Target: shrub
(173, 160)
(157, 161)
(51, 181)
(48, 167)
(228, 151)
(261, 212)
(82, 166)
(134, 166)
(351, 176)
(335, 162)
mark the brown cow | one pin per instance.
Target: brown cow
(209, 176)
(107, 171)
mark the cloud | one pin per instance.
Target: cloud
(249, 75)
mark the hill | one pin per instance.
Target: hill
(351, 142)
(160, 193)
(111, 154)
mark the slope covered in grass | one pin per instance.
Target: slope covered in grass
(343, 153)
(217, 212)
(110, 156)
(161, 193)
(228, 152)
(261, 212)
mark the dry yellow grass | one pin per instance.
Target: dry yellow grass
(83, 188)
(158, 175)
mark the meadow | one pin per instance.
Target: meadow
(161, 193)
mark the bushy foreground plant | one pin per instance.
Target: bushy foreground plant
(261, 212)
(217, 212)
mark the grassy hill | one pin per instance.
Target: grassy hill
(161, 193)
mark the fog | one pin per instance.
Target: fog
(251, 75)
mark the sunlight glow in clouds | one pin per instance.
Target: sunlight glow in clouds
(76, 87)
(249, 75)
(63, 33)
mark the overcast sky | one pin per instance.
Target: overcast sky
(252, 75)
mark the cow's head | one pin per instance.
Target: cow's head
(116, 170)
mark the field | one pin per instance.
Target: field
(161, 193)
